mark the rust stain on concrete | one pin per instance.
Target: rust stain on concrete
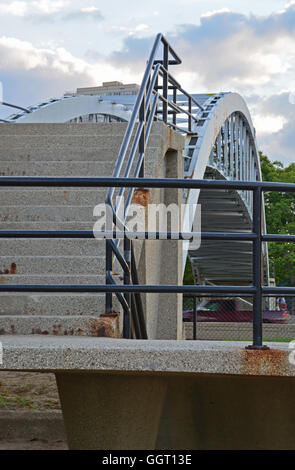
(69, 332)
(141, 196)
(105, 326)
(57, 330)
(12, 269)
(264, 362)
(38, 331)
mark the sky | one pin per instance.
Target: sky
(48, 47)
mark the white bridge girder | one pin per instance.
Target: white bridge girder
(222, 146)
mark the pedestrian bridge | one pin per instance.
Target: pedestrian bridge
(221, 144)
(58, 281)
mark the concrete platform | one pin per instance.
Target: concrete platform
(52, 353)
(131, 394)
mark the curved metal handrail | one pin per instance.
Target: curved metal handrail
(15, 106)
(146, 109)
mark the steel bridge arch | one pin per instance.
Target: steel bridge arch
(224, 145)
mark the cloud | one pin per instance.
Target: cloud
(134, 53)
(30, 74)
(254, 55)
(226, 50)
(274, 117)
(87, 13)
(33, 7)
(49, 11)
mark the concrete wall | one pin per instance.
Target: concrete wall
(169, 412)
(228, 413)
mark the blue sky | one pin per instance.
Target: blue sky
(50, 46)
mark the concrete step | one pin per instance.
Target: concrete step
(70, 129)
(51, 304)
(63, 153)
(63, 128)
(56, 247)
(48, 213)
(59, 326)
(91, 279)
(52, 265)
(57, 168)
(47, 225)
(75, 169)
(53, 142)
(52, 197)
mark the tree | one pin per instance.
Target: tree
(280, 219)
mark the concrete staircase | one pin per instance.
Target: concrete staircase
(59, 150)
(54, 150)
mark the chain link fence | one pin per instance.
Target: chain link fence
(230, 318)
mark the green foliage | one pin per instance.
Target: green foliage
(3, 402)
(188, 277)
(280, 218)
(188, 280)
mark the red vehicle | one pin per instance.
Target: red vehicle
(232, 310)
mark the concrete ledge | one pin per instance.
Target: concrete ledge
(131, 394)
(60, 354)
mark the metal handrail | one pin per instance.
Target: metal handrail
(145, 111)
(15, 106)
(257, 290)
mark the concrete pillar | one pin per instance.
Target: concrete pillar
(169, 322)
(111, 411)
(228, 412)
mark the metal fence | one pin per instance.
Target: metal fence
(230, 318)
(257, 291)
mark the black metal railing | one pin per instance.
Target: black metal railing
(257, 290)
(152, 103)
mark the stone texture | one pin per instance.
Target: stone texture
(157, 356)
(124, 414)
(72, 150)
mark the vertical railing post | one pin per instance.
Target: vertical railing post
(141, 145)
(127, 295)
(109, 268)
(257, 270)
(165, 81)
(174, 101)
(195, 318)
(156, 89)
(190, 114)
